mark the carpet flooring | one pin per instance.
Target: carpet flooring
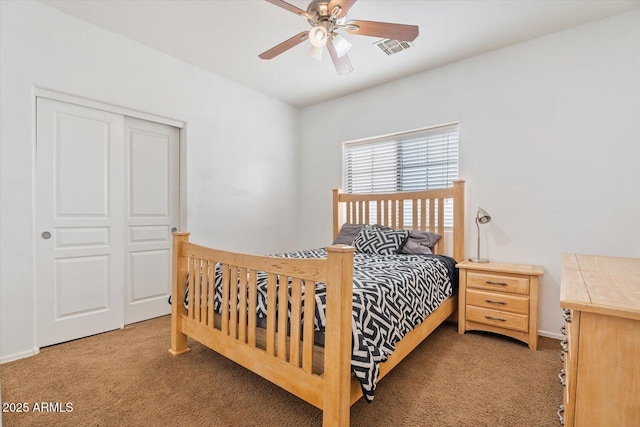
(128, 378)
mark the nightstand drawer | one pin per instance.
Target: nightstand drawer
(498, 282)
(502, 319)
(498, 301)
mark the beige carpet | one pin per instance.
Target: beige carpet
(127, 378)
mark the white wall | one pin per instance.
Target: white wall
(549, 140)
(241, 145)
(550, 146)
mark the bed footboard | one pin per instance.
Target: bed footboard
(283, 351)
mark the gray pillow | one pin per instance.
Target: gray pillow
(420, 243)
(348, 234)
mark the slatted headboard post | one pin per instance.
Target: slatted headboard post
(427, 212)
(458, 220)
(336, 213)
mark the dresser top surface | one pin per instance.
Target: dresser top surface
(605, 285)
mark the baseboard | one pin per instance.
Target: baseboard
(551, 335)
(16, 356)
(454, 320)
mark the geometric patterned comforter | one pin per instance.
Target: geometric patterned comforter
(392, 294)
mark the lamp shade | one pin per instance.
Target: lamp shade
(318, 36)
(316, 52)
(341, 44)
(483, 216)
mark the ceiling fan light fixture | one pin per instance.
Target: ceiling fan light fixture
(316, 52)
(341, 45)
(318, 36)
(326, 17)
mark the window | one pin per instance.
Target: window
(418, 160)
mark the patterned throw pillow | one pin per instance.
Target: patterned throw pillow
(375, 240)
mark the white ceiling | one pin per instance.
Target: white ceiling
(227, 36)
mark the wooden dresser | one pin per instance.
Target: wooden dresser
(601, 351)
(501, 298)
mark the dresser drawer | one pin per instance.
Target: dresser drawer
(498, 282)
(502, 319)
(498, 301)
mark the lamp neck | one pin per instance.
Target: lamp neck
(478, 227)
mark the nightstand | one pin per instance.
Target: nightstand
(500, 298)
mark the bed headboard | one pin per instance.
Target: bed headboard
(425, 208)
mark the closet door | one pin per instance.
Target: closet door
(107, 197)
(152, 181)
(79, 222)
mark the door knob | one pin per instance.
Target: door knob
(173, 229)
(46, 235)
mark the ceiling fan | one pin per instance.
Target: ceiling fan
(326, 18)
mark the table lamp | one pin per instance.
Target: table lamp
(482, 217)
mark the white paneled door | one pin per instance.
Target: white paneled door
(99, 220)
(152, 210)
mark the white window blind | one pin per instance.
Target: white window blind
(417, 160)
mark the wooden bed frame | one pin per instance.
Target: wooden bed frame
(320, 376)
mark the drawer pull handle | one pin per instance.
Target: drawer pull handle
(563, 330)
(567, 315)
(562, 378)
(565, 345)
(490, 301)
(489, 282)
(562, 355)
(500, 319)
(560, 414)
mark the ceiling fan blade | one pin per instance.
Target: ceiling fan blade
(401, 32)
(344, 5)
(292, 8)
(342, 63)
(285, 45)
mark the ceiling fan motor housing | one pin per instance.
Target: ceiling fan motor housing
(323, 16)
(319, 8)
